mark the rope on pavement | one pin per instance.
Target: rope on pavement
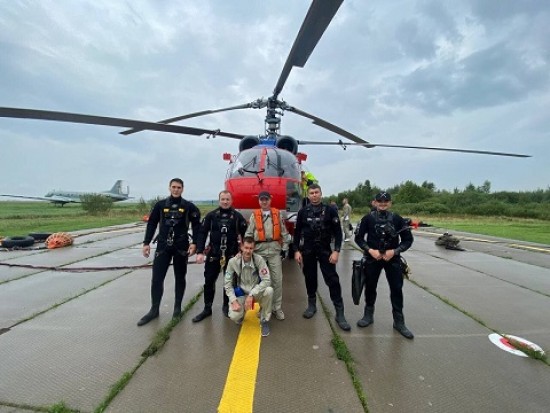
(78, 269)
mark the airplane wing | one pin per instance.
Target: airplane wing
(116, 197)
(54, 199)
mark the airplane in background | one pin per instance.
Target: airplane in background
(62, 197)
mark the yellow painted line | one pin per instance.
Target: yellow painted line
(530, 248)
(238, 393)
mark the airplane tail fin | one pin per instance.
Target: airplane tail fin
(118, 189)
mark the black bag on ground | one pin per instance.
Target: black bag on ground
(357, 281)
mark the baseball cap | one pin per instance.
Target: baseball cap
(382, 196)
(264, 194)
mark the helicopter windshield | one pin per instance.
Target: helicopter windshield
(278, 163)
(281, 163)
(247, 163)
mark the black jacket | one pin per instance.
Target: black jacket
(316, 226)
(213, 223)
(160, 217)
(384, 230)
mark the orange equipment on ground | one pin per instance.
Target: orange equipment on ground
(59, 240)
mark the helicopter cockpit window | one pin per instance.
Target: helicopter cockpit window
(246, 164)
(281, 163)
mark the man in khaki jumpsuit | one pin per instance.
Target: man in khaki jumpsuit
(268, 229)
(346, 219)
(247, 280)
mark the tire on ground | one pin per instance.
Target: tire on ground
(40, 236)
(10, 242)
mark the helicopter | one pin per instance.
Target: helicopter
(267, 162)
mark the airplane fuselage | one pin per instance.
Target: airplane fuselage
(76, 197)
(62, 197)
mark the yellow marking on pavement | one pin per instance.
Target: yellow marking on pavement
(238, 394)
(530, 248)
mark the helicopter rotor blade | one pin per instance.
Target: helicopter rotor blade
(383, 145)
(257, 104)
(327, 125)
(109, 121)
(318, 18)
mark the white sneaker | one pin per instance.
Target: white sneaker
(279, 315)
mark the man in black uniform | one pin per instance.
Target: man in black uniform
(225, 225)
(173, 216)
(316, 225)
(387, 236)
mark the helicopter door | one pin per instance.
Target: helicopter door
(283, 164)
(293, 196)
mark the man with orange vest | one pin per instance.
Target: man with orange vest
(268, 229)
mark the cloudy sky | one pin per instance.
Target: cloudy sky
(462, 74)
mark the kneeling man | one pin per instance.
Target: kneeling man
(247, 280)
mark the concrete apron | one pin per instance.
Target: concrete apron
(77, 351)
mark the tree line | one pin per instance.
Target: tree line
(412, 199)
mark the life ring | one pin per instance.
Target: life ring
(40, 236)
(10, 242)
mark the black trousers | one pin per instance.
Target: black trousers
(394, 276)
(160, 268)
(212, 269)
(310, 260)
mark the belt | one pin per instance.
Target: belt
(266, 240)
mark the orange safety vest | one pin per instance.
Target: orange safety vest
(258, 218)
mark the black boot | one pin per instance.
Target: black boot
(340, 318)
(225, 306)
(177, 310)
(311, 307)
(399, 325)
(151, 315)
(207, 312)
(367, 319)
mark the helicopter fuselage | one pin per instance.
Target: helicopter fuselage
(265, 168)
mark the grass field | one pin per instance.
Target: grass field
(530, 230)
(19, 218)
(520, 229)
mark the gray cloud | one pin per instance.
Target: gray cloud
(490, 77)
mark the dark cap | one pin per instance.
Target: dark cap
(264, 194)
(383, 196)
